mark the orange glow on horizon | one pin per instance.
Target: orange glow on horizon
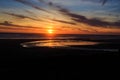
(50, 31)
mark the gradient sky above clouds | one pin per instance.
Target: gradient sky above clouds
(63, 16)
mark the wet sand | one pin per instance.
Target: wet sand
(54, 63)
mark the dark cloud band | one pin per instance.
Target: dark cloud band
(66, 22)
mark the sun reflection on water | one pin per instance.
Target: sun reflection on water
(57, 43)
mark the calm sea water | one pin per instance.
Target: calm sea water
(57, 43)
(68, 37)
(67, 44)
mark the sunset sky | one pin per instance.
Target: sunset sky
(60, 16)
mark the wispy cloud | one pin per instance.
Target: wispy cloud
(28, 3)
(66, 22)
(93, 22)
(21, 16)
(10, 24)
(30, 12)
(50, 4)
(103, 2)
(83, 19)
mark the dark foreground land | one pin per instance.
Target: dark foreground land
(54, 63)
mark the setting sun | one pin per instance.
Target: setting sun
(50, 31)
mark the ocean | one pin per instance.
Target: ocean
(59, 36)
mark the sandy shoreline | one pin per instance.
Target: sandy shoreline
(15, 58)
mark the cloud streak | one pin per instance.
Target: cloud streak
(66, 22)
(103, 2)
(30, 12)
(21, 16)
(92, 22)
(10, 24)
(26, 2)
(50, 4)
(83, 19)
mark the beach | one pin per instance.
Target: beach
(15, 58)
(60, 39)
